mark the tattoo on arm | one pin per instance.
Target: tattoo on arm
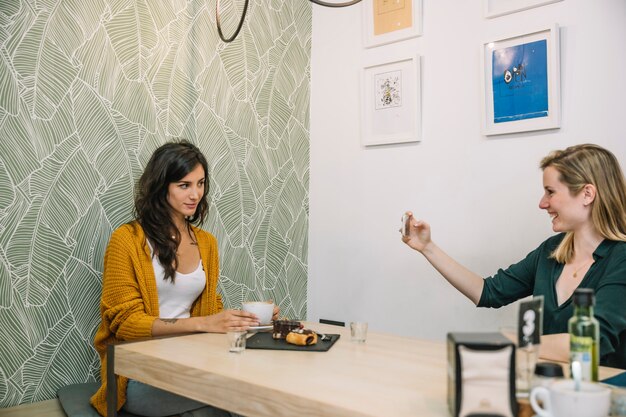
(169, 321)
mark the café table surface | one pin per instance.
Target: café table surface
(386, 375)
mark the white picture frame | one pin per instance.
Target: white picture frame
(496, 8)
(391, 102)
(412, 23)
(524, 94)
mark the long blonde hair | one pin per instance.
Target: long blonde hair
(584, 164)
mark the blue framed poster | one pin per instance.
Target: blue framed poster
(521, 83)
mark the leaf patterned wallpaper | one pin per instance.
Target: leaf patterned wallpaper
(89, 88)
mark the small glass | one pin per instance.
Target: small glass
(358, 331)
(236, 341)
(618, 401)
(526, 359)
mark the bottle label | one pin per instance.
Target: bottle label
(581, 349)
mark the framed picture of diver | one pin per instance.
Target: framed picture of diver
(387, 21)
(390, 101)
(521, 82)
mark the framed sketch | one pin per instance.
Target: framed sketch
(521, 82)
(387, 21)
(391, 102)
(495, 8)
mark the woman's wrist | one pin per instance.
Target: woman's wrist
(205, 324)
(429, 249)
(193, 324)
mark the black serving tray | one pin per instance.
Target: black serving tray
(263, 340)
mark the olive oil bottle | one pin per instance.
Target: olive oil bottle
(584, 333)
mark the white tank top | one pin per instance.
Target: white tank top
(175, 299)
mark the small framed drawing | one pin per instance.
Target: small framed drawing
(495, 8)
(391, 102)
(521, 82)
(387, 21)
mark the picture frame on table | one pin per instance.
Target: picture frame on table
(521, 82)
(496, 8)
(387, 21)
(391, 102)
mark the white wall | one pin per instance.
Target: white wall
(479, 194)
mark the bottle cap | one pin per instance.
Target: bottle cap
(583, 297)
(549, 370)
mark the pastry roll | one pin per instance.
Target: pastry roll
(302, 337)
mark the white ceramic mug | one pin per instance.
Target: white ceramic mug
(262, 309)
(561, 399)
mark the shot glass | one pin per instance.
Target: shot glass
(358, 331)
(526, 358)
(236, 341)
(618, 401)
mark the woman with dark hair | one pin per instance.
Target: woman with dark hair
(585, 197)
(160, 276)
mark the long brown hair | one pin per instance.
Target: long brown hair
(169, 163)
(584, 164)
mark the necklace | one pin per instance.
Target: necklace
(581, 267)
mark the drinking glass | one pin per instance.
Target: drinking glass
(358, 331)
(236, 341)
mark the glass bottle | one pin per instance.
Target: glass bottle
(584, 333)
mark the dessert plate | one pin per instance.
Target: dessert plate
(264, 340)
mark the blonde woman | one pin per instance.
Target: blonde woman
(585, 197)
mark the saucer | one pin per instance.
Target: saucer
(259, 328)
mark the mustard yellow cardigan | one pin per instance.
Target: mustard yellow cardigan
(130, 304)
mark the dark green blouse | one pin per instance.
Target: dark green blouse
(537, 274)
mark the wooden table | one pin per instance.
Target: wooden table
(387, 375)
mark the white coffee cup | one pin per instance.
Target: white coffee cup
(262, 309)
(561, 399)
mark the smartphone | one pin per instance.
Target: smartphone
(406, 225)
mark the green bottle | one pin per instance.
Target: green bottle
(584, 333)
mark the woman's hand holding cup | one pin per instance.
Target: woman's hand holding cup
(265, 311)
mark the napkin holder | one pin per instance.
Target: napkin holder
(481, 375)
